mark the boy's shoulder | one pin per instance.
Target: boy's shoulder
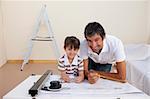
(62, 58)
(79, 58)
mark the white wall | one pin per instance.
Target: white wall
(124, 19)
(149, 20)
(2, 47)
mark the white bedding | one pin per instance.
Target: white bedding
(138, 66)
(146, 86)
(137, 51)
(138, 74)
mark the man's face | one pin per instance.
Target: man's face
(95, 42)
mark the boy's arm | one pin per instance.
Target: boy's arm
(64, 76)
(80, 78)
(61, 68)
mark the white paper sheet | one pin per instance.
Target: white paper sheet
(102, 87)
(101, 90)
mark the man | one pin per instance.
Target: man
(99, 52)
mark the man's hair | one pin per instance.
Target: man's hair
(72, 42)
(94, 28)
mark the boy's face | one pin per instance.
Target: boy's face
(95, 42)
(71, 52)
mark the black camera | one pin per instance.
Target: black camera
(55, 85)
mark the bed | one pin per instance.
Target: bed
(138, 66)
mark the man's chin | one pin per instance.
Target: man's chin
(96, 51)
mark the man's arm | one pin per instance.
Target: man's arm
(119, 76)
(91, 75)
(85, 64)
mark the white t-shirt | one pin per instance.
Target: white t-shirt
(113, 51)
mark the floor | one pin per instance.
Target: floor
(11, 76)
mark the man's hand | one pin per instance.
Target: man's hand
(93, 77)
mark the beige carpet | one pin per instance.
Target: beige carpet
(11, 76)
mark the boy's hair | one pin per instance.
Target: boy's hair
(72, 42)
(94, 28)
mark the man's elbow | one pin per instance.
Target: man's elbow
(122, 77)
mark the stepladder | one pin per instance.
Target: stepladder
(43, 17)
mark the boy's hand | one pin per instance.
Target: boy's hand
(65, 77)
(79, 79)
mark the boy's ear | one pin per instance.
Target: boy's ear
(64, 48)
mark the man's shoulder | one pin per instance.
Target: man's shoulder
(84, 43)
(113, 40)
(111, 37)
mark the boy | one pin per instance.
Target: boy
(70, 64)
